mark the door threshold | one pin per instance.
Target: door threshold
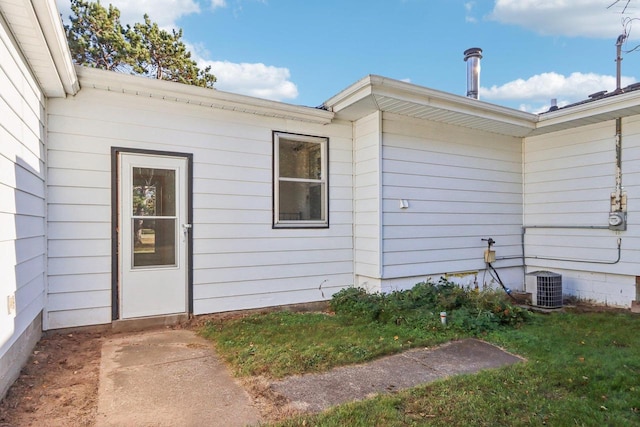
(152, 322)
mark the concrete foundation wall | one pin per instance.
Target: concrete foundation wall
(15, 358)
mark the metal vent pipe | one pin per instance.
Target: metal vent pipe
(619, 42)
(472, 57)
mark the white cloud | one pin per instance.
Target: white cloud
(254, 79)
(468, 7)
(587, 18)
(259, 80)
(164, 12)
(215, 4)
(541, 88)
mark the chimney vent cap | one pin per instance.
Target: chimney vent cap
(473, 52)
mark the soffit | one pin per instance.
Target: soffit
(38, 31)
(375, 93)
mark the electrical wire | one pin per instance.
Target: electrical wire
(499, 280)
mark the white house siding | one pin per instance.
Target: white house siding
(239, 261)
(367, 200)
(461, 186)
(569, 177)
(22, 210)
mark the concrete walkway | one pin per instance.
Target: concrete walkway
(317, 392)
(174, 378)
(168, 378)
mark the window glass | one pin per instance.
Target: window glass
(154, 192)
(300, 159)
(300, 181)
(154, 242)
(301, 201)
(154, 224)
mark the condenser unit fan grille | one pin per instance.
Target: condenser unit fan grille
(547, 289)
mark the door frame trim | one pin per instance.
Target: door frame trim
(115, 206)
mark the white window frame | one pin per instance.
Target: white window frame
(323, 181)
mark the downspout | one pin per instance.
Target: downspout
(381, 256)
(354, 249)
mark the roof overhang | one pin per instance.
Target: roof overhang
(609, 108)
(376, 93)
(38, 31)
(211, 98)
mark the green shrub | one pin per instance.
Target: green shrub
(467, 310)
(357, 302)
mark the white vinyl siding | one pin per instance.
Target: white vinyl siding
(367, 196)
(239, 261)
(22, 195)
(461, 186)
(569, 177)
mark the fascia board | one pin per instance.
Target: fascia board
(56, 39)
(351, 95)
(213, 98)
(377, 86)
(621, 105)
(25, 28)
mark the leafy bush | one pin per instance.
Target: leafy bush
(467, 310)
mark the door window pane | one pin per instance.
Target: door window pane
(153, 218)
(154, 242)
(154, 192)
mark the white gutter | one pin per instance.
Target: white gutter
(608, 108)
(56, 39)
(380, 93)
(178, 92)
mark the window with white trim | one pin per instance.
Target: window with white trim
(300, 181)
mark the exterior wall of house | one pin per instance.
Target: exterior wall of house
(461, 186)
(367, 200)
(22, 210)
(568, 179)
(239, 260)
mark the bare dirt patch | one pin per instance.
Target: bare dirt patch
(59, 384)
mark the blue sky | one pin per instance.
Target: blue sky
(305, 51)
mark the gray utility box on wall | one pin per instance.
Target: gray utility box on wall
(545, 288)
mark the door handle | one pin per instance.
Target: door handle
(185, 231)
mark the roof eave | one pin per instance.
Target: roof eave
(213, 98)
(37, 29)
(51, 24)
(374, 93)
(617, 106)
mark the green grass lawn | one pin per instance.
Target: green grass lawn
(582, 368)
(284, 343)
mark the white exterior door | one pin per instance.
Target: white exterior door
(153, 234)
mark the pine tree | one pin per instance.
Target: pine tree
(98, 39)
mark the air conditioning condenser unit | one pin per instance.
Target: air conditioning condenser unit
(545, 288)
